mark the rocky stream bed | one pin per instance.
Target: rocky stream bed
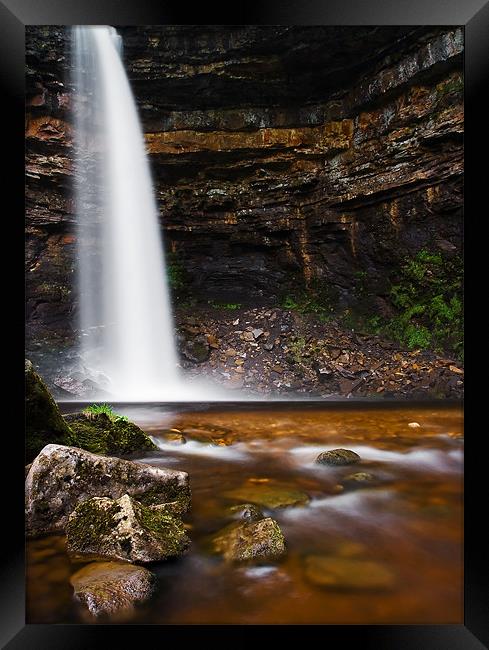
(267, 353)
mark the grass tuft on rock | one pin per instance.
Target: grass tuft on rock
(96, 409)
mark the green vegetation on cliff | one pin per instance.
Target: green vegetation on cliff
(424, 293)
(428, 299)
(316, 298)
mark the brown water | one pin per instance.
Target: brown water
(410, 524)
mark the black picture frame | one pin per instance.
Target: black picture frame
(14, 16)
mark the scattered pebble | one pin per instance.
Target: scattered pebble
(360, 479)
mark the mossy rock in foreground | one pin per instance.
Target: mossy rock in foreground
(123, 529)
(102, 435)
(44, 422)
(255, 541)
(107, 588)
(62, 477)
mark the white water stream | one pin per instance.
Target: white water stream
(125, 310)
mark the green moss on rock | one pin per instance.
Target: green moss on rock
(168, 529)
(126, 530)
(254, 541)
(62, 477)
(178, 500)
(95, 432)
(102, 435)
(44, 422)
(91, 522)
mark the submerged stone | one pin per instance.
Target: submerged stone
(255, 540)
(350, 548)
(360, 480)
(247, 511)
(173, 436)
(269, 496)
(345, 573)
(123, 529)
(44, 423)
(62, 477)
(338, 457)
(218, 437)
(103, 435)
(112, 587)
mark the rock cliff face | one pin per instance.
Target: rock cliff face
(281, 156)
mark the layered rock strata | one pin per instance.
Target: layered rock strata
(280, 155)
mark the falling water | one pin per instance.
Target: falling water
(125, 309)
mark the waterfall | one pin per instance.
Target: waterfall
(125, 312)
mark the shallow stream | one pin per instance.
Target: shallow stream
(396, 545)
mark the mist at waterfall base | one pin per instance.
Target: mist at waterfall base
(126, 325)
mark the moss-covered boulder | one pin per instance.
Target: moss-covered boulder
(256, 540)
(95, 432)
(112, 587)
(338, 457)
(61, 477)
(101, 434)
(44, 422)
(123, 529)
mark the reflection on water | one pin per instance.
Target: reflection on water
(407, 526)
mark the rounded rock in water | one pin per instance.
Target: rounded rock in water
(112, 587)
(252, 541)
(338, 457)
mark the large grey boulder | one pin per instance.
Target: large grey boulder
(123, 529)
(112, 587)
(62, 477)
